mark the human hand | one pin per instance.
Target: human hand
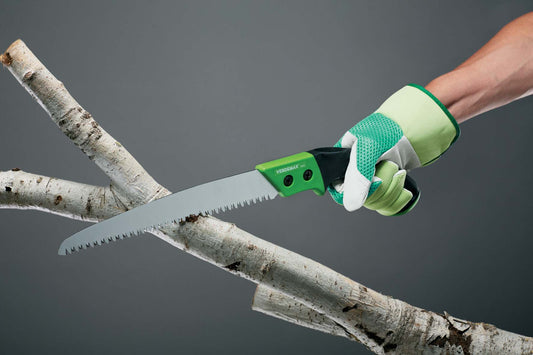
(410, 129)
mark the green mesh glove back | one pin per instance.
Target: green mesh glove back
(410, 129)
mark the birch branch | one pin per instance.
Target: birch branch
(22, 190)
(383, 324)
(132, 183)
(278, 305)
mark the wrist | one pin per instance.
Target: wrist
(427, 124)
(462, 91)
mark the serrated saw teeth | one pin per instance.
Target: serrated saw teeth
(213, 197)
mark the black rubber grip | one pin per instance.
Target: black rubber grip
(333, 162)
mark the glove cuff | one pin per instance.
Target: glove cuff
(428, 125)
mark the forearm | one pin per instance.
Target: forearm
(500, 72)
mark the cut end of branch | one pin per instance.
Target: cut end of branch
(6, 58)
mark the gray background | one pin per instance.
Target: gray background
(199, 90)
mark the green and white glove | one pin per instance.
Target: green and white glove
(412, 128)
(391, 197)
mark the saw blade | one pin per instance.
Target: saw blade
(212, 197)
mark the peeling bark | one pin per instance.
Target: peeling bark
(276, 304)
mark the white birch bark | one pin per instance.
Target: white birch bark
(335, 303)
(278, 305)
(22, 190)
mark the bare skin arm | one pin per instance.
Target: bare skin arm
(500, 72)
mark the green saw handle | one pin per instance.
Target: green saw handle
(316, 170)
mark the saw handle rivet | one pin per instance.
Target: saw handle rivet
(308, 174)
(287, 180)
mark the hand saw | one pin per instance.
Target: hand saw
(312, 170)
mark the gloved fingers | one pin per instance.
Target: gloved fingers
(385, 170)
(336, 192)
(356, 185)
(347, 140)
(398, 205)
(392, 193)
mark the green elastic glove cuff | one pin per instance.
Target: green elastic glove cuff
(424, 120)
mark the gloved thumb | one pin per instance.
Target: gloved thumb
(356, 185)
